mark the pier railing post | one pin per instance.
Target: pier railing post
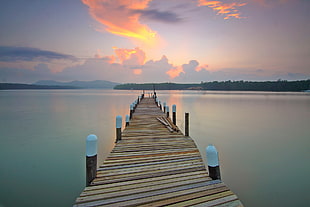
(131, 111)
(187, 124)
(174, 114)
(118, 128)
(127, 120)
(164, 107)
(91, 158)
(167, 110)
(160, 105)
(213, 163)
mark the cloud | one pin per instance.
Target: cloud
(268, 3)
(228, 10)
(175, 71)
(13, 54)
(161, 16)
(119, 18)
(28, 58)
(130, 57)
(18, 75)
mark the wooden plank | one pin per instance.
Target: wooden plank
(148, 180)
(149, 196)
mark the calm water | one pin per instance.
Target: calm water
(262, 138)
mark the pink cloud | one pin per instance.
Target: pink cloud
(118, 18)
(228, 10)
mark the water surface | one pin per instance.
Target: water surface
(262, 139)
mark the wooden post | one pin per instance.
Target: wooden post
(164, 107)
(127, 120)
(160, 105)
(167, 110)
(118, 128)
(131, 111)
(187, 124)
(213, 163)
(138, 100)
(91, 158)
(174, 114)
(134, 105)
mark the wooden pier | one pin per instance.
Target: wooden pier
(153, 165)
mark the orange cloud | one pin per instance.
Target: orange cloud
(119, 18)
(110, 59)
(175, 71)
(137, 71)
(133, 57)
(201, 67)
(227, 9)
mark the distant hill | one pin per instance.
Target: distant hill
(97, 84)
(19, 86)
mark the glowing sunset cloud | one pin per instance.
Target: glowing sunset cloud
(120, 18)
(199, 68)
(227, 9)
(134, 56)
(137, 71)
(175, 71)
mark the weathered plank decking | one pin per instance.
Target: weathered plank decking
(152, 166)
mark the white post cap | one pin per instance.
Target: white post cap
(159, 102)
(174, 108)
(164, 104)
(91, 145)
(212, 156)
(127, 118)
(118, 121)
(167, 108)
(131, 106)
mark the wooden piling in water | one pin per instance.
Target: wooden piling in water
(213, 162)
(91, 158)
(118, 128)
(174, 114)
(187, 124)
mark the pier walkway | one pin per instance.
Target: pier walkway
(152, 166)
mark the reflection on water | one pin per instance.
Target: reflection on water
(262, 138)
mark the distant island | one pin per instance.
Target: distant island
(279, 86)
(50, 84)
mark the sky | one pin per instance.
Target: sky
(135, 41)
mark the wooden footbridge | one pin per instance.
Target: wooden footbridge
(154, 164)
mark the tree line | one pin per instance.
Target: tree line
(280, 85)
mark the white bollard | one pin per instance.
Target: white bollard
(174, 114)
(91, 158)
(167, 111)
(127, 120)
(213, 162)
(131, 111)
(118, 128)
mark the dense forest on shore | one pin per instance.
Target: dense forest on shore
(280, 85)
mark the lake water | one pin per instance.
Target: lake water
(263, 140)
